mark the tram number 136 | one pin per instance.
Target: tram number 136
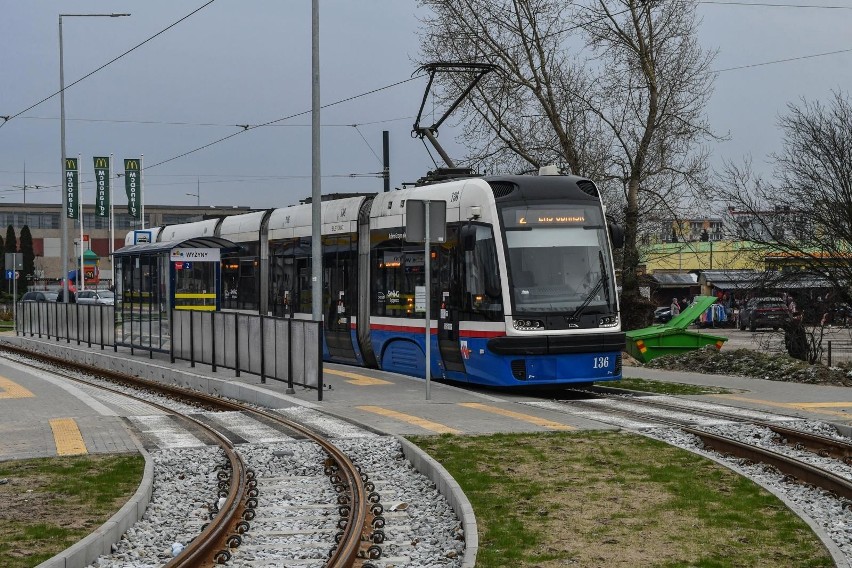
(601, 362)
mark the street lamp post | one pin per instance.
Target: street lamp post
(197, 194)
(63, 216)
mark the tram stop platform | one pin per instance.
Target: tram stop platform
(395, 404)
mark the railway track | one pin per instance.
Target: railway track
(358, 536)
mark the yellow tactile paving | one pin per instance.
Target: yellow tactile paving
(66, 434)
(816, 407)
(544, 423)
(356, 379)
(11, 389)
(409, 419)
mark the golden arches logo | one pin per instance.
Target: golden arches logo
(101, 162)
(70, 163)
(131, 164)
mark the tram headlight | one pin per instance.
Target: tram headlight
(527, 324)
(608, 321)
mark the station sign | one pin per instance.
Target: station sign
(140, 237)
(195, 255)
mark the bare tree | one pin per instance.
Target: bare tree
(614, 89)
(800, 220)
(526, 116)
(803, 216)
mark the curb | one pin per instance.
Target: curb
(452, 491)
(101, 540)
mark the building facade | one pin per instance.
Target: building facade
(45, 224)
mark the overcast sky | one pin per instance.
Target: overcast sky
(249, 62)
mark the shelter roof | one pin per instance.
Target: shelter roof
(674, 279)
(152, 249)
(732, 279)
(770, 279)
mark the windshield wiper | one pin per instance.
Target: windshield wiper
(604, 279)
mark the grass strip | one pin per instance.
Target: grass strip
(48, 504)
(616, 499)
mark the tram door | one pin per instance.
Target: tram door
(449, 299)
(339, 297)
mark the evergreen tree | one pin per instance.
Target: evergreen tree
(11, 240)
(29, 259)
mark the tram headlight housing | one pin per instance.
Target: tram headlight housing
(528, 324)
(608, 321)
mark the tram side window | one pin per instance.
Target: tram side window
(339, 258)
(398, 269)
(230, 280)
(482, 296)
(282, 277)
(290, 276)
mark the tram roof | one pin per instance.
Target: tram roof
(165, 247)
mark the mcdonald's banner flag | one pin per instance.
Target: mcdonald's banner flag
(133, 187)
(71, 188)
(102, 204)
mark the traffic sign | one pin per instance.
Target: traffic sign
(10, 274)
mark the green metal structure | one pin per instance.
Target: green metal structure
(673, 338)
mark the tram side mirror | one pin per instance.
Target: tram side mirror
(616, 235)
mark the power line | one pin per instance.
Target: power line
(249, 127)
(789, 59)
(110, 62)
(221, 124)
(355, 126)
(773, 5)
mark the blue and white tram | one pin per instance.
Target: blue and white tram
(523, 287)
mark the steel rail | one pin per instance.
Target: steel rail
(349, 546)
(820, 445)
(805, 473)
(223, 532)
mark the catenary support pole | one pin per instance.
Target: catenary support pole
(316, 171)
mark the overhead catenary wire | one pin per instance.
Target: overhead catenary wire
(251, 127)
(355, 126)
(211, 124)
(110, 62)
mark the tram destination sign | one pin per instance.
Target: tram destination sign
(550, 216)
(195, 255)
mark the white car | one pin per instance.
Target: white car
(100, 297)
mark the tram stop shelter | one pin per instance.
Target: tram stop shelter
(153, 279)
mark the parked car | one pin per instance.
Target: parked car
(764, 312)
(39, 296)
(99, 297)
(662, 314)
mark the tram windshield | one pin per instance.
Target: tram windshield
(559, 260)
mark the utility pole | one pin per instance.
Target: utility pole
(63, 268)
(386, 156)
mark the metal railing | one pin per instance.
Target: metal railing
(288, 350)
(271, 347)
